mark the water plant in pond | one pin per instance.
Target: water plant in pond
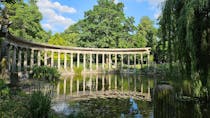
(110, 107)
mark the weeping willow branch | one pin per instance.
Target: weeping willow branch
(185, 27)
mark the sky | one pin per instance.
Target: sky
(58, 15)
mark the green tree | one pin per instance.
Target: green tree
(26, 21)
(146, 33)
(71, 36)
(105, 26)
(185, 25)
(57, 40)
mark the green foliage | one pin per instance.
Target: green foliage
(146, 33)
(39, 105)
(104, 26)
(78, 70)
(14, 107)
(26, 21)
(71, 38)
(3, 66)
(4, 89)
(57, 40)
(185, 26)
(50, 74)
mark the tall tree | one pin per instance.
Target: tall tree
(26, 21)
(105, 26)
(147, 33)
(185, 25)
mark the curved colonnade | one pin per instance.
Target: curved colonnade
(22, 55)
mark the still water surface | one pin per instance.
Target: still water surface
(124, 96)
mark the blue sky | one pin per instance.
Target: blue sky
(58, 15)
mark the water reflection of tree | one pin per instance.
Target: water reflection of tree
(181, 103)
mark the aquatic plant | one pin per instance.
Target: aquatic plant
(45, 73)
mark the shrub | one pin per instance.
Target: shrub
(78, 70)
(39, 105)
(4, 90)
(45, 73)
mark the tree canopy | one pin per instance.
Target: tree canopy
(26, 21)
(105, 26)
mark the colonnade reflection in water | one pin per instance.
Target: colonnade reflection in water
(114, 86)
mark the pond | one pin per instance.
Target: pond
(125, 96)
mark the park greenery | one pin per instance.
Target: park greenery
(105, 26)
(25, 20)
(185, 33)
(180, 44)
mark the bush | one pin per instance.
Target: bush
(78, 70)
(4, 89)
(45, 73)
(39, 105)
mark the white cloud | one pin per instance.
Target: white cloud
(47, 26)
(155, 4)
(116, 1)
(53, 15)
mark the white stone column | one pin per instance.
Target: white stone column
(134, 61)
(84, 62)
(65, 60)
(72, 61)
(39, 58)
(59, 59)
(121, 61)
(91, 61)
(19, 60)
(52, 58)
(115, 61)
(110, 61)
(32, 58)
(25, 59)
(128, 61)
(142, 60)
(103, 61)
(78, 59)
(97, 62)
(148, 60)
(45, 57)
